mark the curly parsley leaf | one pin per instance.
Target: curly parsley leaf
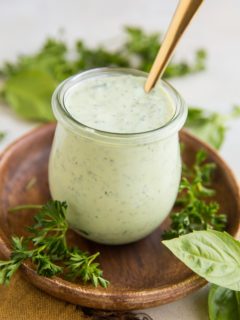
(80, 264)
(196, 213)
(19, 254)
(47, 246)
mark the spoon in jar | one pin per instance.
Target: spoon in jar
(181, 19)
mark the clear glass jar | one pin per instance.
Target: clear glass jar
(119, 187)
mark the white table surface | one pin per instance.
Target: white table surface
(25, 24)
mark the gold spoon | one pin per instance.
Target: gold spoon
(181, 19)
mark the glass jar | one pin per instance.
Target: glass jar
(119, 187)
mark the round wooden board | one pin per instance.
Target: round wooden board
(142, 274)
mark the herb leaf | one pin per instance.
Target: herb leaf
(7, 270)
(223, 304)
(50, 229)
(235, 112)
(45, 267)
(213, 255)
(211, 127)
(29, 92)
(47, 245)
(196, 213)
(80, 264)
(19, 254)
(183, 68)
(2, 135)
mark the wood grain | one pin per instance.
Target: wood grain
(142, 274)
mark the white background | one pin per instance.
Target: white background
(25, 24)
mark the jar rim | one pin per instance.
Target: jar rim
(63, 115)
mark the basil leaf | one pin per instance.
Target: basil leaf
(223, 304)
(237, 294)
(213, 255)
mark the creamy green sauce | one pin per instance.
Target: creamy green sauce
(117, 192)
(118, 104)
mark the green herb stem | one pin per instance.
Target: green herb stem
(26, 207)
(47, 245)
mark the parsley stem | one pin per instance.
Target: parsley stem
(26, 207)
(93, 257)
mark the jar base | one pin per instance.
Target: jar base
(109, 242)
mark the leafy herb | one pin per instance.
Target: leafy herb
(183, 68)
(81, 265)
(45, 267)
(30, 82)
(2, 135)
(47, 246)
(29, 92)
(49, 230)
(196, 213)
(224, 304)
(213, 255)
(19, 254)
(210, 126)
(140, 50)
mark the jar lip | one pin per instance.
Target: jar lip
(61, 113)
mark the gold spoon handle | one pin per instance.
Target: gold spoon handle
(181, 19)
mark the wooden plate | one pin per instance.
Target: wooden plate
(143, 274)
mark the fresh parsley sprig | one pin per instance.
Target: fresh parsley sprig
(47, 248)
(80, 264)
(49, 230)
(196, 213)
(19, 254)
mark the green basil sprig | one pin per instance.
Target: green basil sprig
(224, 304)
(214, 256)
